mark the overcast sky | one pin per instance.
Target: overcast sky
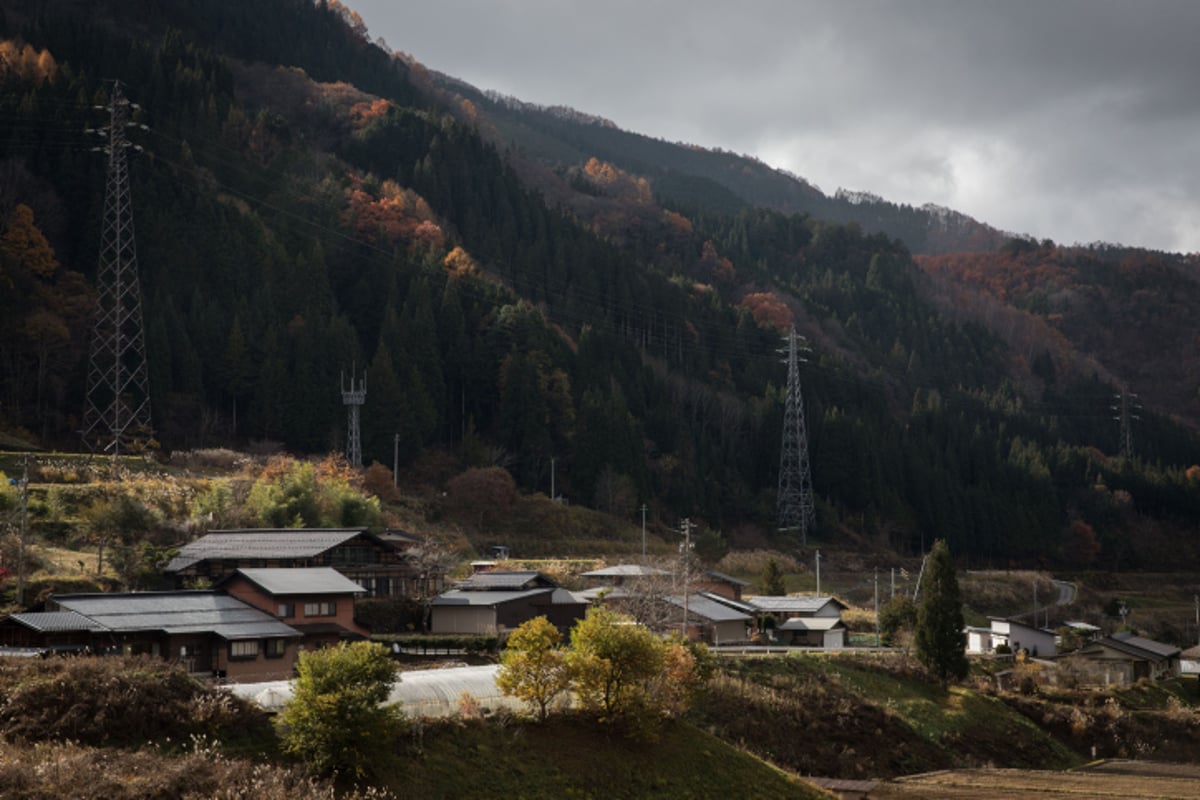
(1074, 120)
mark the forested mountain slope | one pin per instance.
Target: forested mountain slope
(691, 178)
(308, 204)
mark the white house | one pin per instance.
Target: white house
(1019, 636)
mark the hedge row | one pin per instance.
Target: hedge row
(426, 644)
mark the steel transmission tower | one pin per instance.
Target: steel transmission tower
(1127, 408)
(116, 418)
(796, 508)
(353, 399)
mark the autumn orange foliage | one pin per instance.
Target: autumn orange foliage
(362, 113)
(618, 183)
(768, 309)
(26, 63)
(396, 215)
(458, 262)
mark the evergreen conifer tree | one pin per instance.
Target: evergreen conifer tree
(941, 642)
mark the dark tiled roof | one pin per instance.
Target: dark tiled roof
(721, 576)
(262, 543)
(1158, 649)
(457, 597)
(175, 613)
(736, 605)
(624, 571)
(489, 581)
(701, 606)
(56, 622)
(796, 605)
(300, 580)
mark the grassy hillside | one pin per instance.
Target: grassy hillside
(867, 717)
(126, 728)
(575, 758)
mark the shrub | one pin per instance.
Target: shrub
(116, 701)
(336, 721)
(72, 771)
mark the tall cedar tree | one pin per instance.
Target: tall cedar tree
(770, 582)
(940, 639)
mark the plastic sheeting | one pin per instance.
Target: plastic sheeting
(419, 693)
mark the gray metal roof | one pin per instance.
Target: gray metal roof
(263, 543)
(624, 571)
(419, 693)
(727, 578)
(810, 624)
(1149, 645)
(457, 597)
(700, 606)
(301, 580)
(56, 622)
(736, 605)
(609, 592)
(176, 613)
(519, 579)
(797, 605)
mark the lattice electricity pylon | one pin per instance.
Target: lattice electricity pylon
(353, 398)
(116, 417)
(796, 509)
(1127, 407)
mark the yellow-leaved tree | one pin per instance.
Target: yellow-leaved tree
(533, 666)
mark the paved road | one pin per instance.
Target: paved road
(1066, 593)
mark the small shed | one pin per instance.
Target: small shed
(825, 632)
(1189, 662)
(1125, 658)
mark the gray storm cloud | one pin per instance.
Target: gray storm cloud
(1073, 120)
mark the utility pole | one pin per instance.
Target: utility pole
(877, 606)
(1035, 606)
(1196, 598)
(685, 527)
(116, 416)
(24, 531)
(818, 573)
(643, 533)
(353, 399)
(395, 461)
(796, 509)
(553, 496)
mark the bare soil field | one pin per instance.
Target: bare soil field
(1102, 781)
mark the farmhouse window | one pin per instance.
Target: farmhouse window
(325, 608)
(243, 650)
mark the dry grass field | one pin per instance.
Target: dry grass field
(1102, 781)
